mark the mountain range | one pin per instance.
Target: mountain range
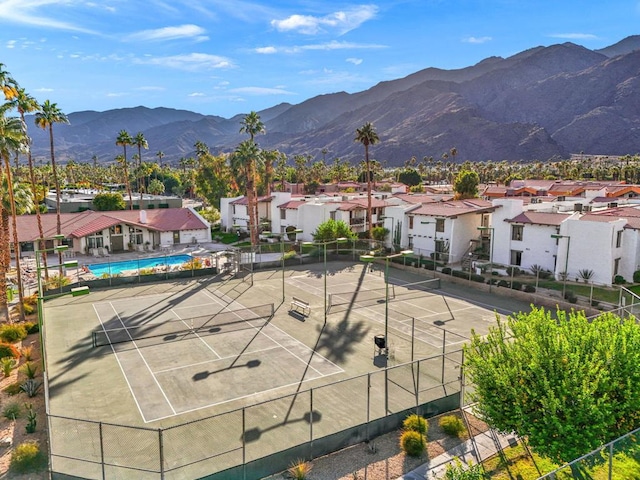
(542, 103)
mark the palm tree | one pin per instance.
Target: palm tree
(140, 142)
(123, 140)
(25, 103)
(366, 135)
(12, 139)
(122, 161)
(45, 118)
(252, 125)
(243, 160)
(8, 85)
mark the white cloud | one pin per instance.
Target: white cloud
(260, 91)
(171, 33)
(151, 88)
(196, 94)
(477, 39)
(355, 61)
(191, 62)
(44, 90)
(25, 12)
(266, 50)
(11, 44)
(116, 94)
(328, 46)
(574, 36)
(341, 21)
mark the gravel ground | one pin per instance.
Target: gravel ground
(383, 459)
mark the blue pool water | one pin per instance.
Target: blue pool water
(115, 268)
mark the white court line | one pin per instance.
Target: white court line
(144, 360)
(126, 379)
(215, 360)
(278, 343)
(196, 334)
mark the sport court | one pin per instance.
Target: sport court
(169, 355)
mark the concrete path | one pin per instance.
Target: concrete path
(483, 446)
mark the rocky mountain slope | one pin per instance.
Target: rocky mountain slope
(535, 105)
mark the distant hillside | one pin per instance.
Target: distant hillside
(538, 104)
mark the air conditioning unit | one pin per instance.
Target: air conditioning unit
(587, 208)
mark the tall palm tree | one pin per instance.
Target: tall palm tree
(243, 160)
(8, 85)
(12, 139)
(140, 142)
(122, 161)
(25, 103)
(252, 125)
(366, 135)
(49, 114)
(123, 140)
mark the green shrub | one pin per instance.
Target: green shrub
(12, 333)
(31, 327)
(457, 471)
(27, 457)
(11, 411)
(513, 271)
(619, 280)
(31, 418)
(415, 423)
(8, 350)
(413, 443)
(570, 297)
(595, 303)
(26, 352)
(146, 271)
(636, 276)
(503, 283)
(452, 425)
(459, 274)
(516, 285)
(477, 278)
(530, 289)
(31, 387)
(446, 270)
(28, 309)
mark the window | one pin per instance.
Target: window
(616, 266)
(516, 232)
(136, 237)
(516, 257)
(619, 238)
(410, 222)
(116, 229)
(283, 214)
(439, 224)
(332, 215)
(95, 241)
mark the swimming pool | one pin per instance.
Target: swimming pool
(115, 268)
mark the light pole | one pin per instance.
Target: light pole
(566, 261)
(392, 232)
(282, 242)
(324, 245)
(490, 229)
(369, 259)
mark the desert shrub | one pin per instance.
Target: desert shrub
(619, 280)
(530, 289)
(31, 387)
(31, 418)
(636, 276)
(503, 283)
(29, 369)
(452, 425)
(146, 271)
(12, 333)
(13, 389)
(446, 270)
(11, 411)
(477, 278)
(513, 271)
(492, 281)
(28, 309)
(8, 350)
(193, 264)
(27, 457)
(299, 469)
(595, 303)
(31, 327)
(413, 443)
(416, 423)
(56, 281)
(31, 300)
(516, 285)
(26, 352)
(7, 364)
(429, 266)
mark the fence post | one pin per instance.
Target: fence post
(368, 404)
(160, 444)
(418, 386)
(244, 443)
(104, 475)
(444, 339)
(311, 423)
(611, 460)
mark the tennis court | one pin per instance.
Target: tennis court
(192, 357)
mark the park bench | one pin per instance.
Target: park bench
(300, 306)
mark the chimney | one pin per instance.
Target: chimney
(143, 216)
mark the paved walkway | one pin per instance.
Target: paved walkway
(483, 446)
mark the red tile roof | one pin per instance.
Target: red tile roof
(539, 218)
(85, 223)
(454, 208)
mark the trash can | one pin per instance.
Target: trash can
(379, 342)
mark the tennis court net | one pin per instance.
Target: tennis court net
(178, 329)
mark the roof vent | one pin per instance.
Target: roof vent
(143, 216)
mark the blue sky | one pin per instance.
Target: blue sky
(223, 57)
